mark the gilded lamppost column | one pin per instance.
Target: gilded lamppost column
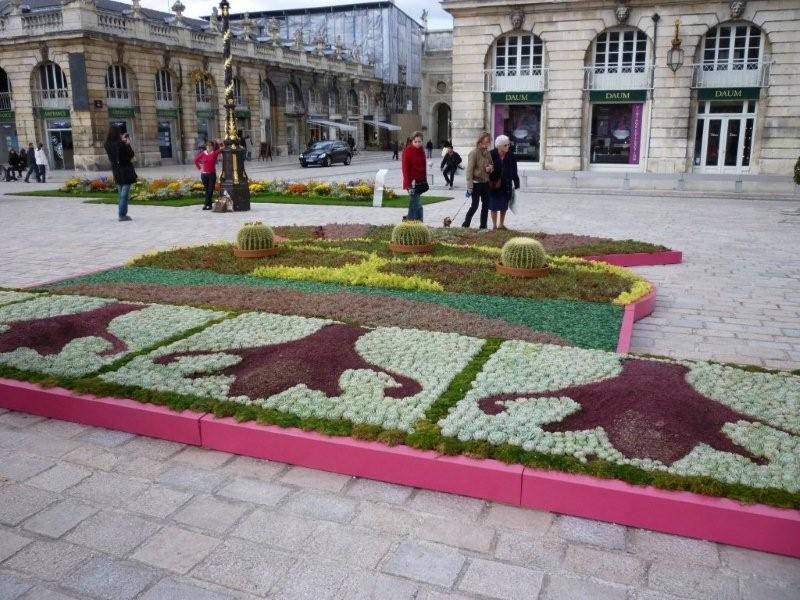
(233, 178)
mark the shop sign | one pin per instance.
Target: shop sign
(117, 112)
(517, 97)
(167, 113)
(6, 115)
(206, 114)
(751, 93)
(621, 96)
(241, 114)
(53, 113)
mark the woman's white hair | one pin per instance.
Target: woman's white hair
(500, 140)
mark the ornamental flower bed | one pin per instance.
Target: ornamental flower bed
(73, 336)
(9, 296)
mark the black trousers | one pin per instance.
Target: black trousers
(33, 169)
(394, 154)
(209, 179)
(449, 175)
(480, 194)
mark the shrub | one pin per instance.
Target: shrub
(256, 187)
(157, 184)
(71, 184)
(361, 191)
(411, 233)
(323, 189)
(97, 185)
(174, 187)
(255, 236)
(297, 188)
(523, 253)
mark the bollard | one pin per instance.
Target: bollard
(377, 194)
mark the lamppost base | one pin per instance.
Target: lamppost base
(233, 179)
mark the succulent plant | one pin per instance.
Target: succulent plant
(523, 253)
(255, 236)
(411, 233)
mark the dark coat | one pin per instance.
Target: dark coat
(451, 161)
(121, 155)
(506, 171)
(31, 157)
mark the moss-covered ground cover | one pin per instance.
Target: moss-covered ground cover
(687, 425)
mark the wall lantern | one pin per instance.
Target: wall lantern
(675, 54)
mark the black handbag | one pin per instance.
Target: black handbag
(421, 187)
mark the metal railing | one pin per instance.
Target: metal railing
(165, 98)
(6, 101)
(118, 97)
(294, 108)
(51, 98)
(523, 79)
(622, 77)
(206, 101)
(736, 74)
(315, 108)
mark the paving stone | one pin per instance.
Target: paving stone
(275, 528)
(107, 438)
(560, 587)
(93, 456)
(188, 478)
(175, 549)
(210, 513)
(20, 466)
(429, 563)
(468, 536)
(349, 545)
(47, 446)
(151, 448)
(595, 533)
(65, 429)
(437, 595)
(11, 543)
(709, 584)
(379, 491)
(116, 533)
(253, 490)
(447, 505)
(367, 585)
(608, 566)
(771, 567)
(17, 502)
(60, 477)
(529, 552)
(201, 458)
(522, 520)
(50, 561)
(497, 580)
(158, 501)
(664, 547)
(11, 586)
(42, 593)
(140, 466)
(320, 505)
(172, 589)
(59, 518)
(245, 566)
(312, 580)
(254, 468)
(387, 517)
(20, 420)
(321, 480)
(107, 578)
(109, 489)
(756, 589)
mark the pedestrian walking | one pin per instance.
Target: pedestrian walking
(30, 161)
(42, 164)
(415, 177)
(395, 150)
(429, 146)
(13, 158)
(121, 155)
(503, 180)
(479, 168)
(449, 166)
(21, 162)
(206, 162)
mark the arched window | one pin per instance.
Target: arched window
(52, 82)
(365, 106)
(352, 103)
(734, 47)
(518, 55)
(204, 91)
(117, 84)
(620, 51)
(293, 100)
(5, 91)
(164, 86)
(239, 92)
(314, 101)
(333, 102)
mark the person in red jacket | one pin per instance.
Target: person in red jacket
(415, 177)
(206, 162)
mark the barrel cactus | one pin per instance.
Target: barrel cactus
(255, 236)
(523, 253)
(411, 233)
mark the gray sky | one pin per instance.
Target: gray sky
(437, 18)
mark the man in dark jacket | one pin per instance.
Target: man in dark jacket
(31, 162)
(449, 165)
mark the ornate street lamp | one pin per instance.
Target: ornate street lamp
(233, 180)
(675, 54)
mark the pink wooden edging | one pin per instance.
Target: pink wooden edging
(112, 413)
(639, 259)
(634, 311)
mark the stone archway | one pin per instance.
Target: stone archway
(442, 128)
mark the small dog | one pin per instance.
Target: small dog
(448, 221)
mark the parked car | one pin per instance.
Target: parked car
(326, 153)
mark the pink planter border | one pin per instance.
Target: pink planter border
(640, 259)
(753, 526)
(634, 311)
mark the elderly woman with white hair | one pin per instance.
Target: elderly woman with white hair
(502, 178)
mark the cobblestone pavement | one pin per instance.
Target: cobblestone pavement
(92, 513)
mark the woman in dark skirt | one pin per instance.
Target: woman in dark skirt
(503, 177)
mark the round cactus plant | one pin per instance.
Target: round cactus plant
(523, 253)
(411, 233)
(255, 236)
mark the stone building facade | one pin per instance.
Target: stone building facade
(436, 95)
(663, 87)
(69, 69)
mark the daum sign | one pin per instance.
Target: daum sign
(53, 113)
(120, 112)
(517, 97)
(611, 96)
(729, 93)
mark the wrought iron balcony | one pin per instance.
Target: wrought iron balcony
(736, 74)
(51, 98)
(118, 97)
(622, 77)
(165, 99)
(524, 79)
(6, 101)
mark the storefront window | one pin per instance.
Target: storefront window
(522, 124)
(616, 133)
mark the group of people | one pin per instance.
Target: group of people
(491, 177)
(33, 159)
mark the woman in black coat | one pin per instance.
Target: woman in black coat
(121, 156)
(503, 177)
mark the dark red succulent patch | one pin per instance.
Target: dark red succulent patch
(49, 335)
(317, 360)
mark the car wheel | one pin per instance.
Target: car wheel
(326, 162)
(304, 164)
(347, 159)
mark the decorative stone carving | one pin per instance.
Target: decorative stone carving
(517, 19)
(247, 26)
(213, 21)
(337, 48)
(120, 52)
(622, 12)
(178, 9)
(319, 43)
(274, 31)
(299, 42)
(356, 54)
(737, 8)
(44, 52)
(136, 7)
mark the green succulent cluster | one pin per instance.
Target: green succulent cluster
(255, 236)
(523, 253)
(411, 233)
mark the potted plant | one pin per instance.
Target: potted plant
(523, 257)
(411, 237)
(255, 240)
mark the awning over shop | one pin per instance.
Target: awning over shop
(342, 126)
(383, 125)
